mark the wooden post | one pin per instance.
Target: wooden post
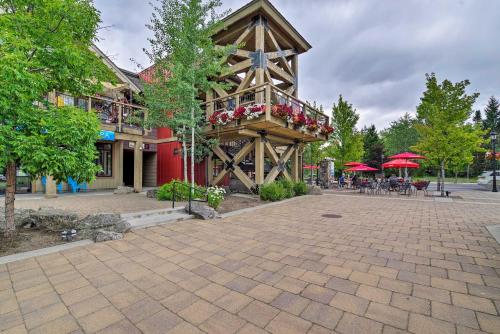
(259, 160)
(268, 102)
(210, 169)
(259, 49)
(295, 165)
(118, 152)
(138, 166)
(295, 69)
(120, 115)
(50, 187)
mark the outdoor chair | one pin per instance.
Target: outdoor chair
(405, 188)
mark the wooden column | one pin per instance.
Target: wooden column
(295, 164)
(259, 160)
(50, 187)
(259, 49)
(295, 69)
(210, 169)
(138, 167)
(118, 153)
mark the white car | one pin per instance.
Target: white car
(486, 179)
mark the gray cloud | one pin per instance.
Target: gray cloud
(374, 53)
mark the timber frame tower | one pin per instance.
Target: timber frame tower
(259, 121)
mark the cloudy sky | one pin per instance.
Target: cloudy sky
(373, 52)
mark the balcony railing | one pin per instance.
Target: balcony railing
(270, 104)
(120, 114)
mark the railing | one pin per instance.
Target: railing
(194, 194)
(117, 113)
(267, 94)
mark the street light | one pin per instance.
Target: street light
(493, 136)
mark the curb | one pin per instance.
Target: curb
(43, 251)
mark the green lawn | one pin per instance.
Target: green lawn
(450, 179)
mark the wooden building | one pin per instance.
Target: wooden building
(260, 122)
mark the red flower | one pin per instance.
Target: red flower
(213, 118)
(326, 129)
(239, 113)
(312, 124)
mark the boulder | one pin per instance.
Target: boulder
(102, 235)
(22, 218)
(201, 211)
(111, 222)
(51, 219)
(151, 193)
(314, 190)
(121, 190)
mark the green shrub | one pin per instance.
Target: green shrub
(165, 192)
(288, 186)
(215, 196)
(272, 192)
(300, 188)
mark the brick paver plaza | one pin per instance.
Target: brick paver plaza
(384, 266)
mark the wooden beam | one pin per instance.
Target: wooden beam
(295, 67)
(243, 152)
(259, 161)
(245, 35)
(221, 92)
(290, 90)
(242, 53)
(244, 178)
(271, 138)
(295, 166)
(268, 76)
(247, 80)
(271, 153)
(259, 47)
(276, 54)
(279, 72)
(219, 177)
(240, 67)
(281, 59)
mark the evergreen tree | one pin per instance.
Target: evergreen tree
(477, 118)
(373, 147)
(492, 115)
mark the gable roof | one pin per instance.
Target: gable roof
(267, 7)
(116, 70)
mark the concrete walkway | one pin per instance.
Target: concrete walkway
(325, 264)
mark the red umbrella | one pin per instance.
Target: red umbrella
(310, 167)
(354, 164)
(361, 168)
(407, 155)
(400, 163)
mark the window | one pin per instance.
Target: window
(105, 159)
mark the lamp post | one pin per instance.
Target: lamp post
(493, 136)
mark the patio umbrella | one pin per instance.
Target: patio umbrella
(354, 164)
(310, 167)
(407, 156)
(361, 168)
(401, 163)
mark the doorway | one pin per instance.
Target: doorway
(128, 168)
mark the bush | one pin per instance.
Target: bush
(215, 196)
(300, 188)
(165, 192)
(288, 186)
(272, 192)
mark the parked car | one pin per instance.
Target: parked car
(2, 178)
(486, 178)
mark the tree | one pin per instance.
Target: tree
(477, 118)
(185, 62)
(373, 147)
(492, 115)
(444, 134)
(45, 47)
(346, 142)
(400, 136)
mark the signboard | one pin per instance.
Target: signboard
(107, 135)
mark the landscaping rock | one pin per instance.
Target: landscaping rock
(91, 225)
(314, 190)
(121, 190)
(102, 235)
(22, 218)
(50, 219)
(151, 193)
(201, 211)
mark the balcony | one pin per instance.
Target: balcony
(118, 116)
(265, 108)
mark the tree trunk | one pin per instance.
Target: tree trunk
(438, 181)
(456, 177)
(10, 196)
(184, 154)
(192, 150)
(442, 178)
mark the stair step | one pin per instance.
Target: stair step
(143, 214)
(153, 220)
